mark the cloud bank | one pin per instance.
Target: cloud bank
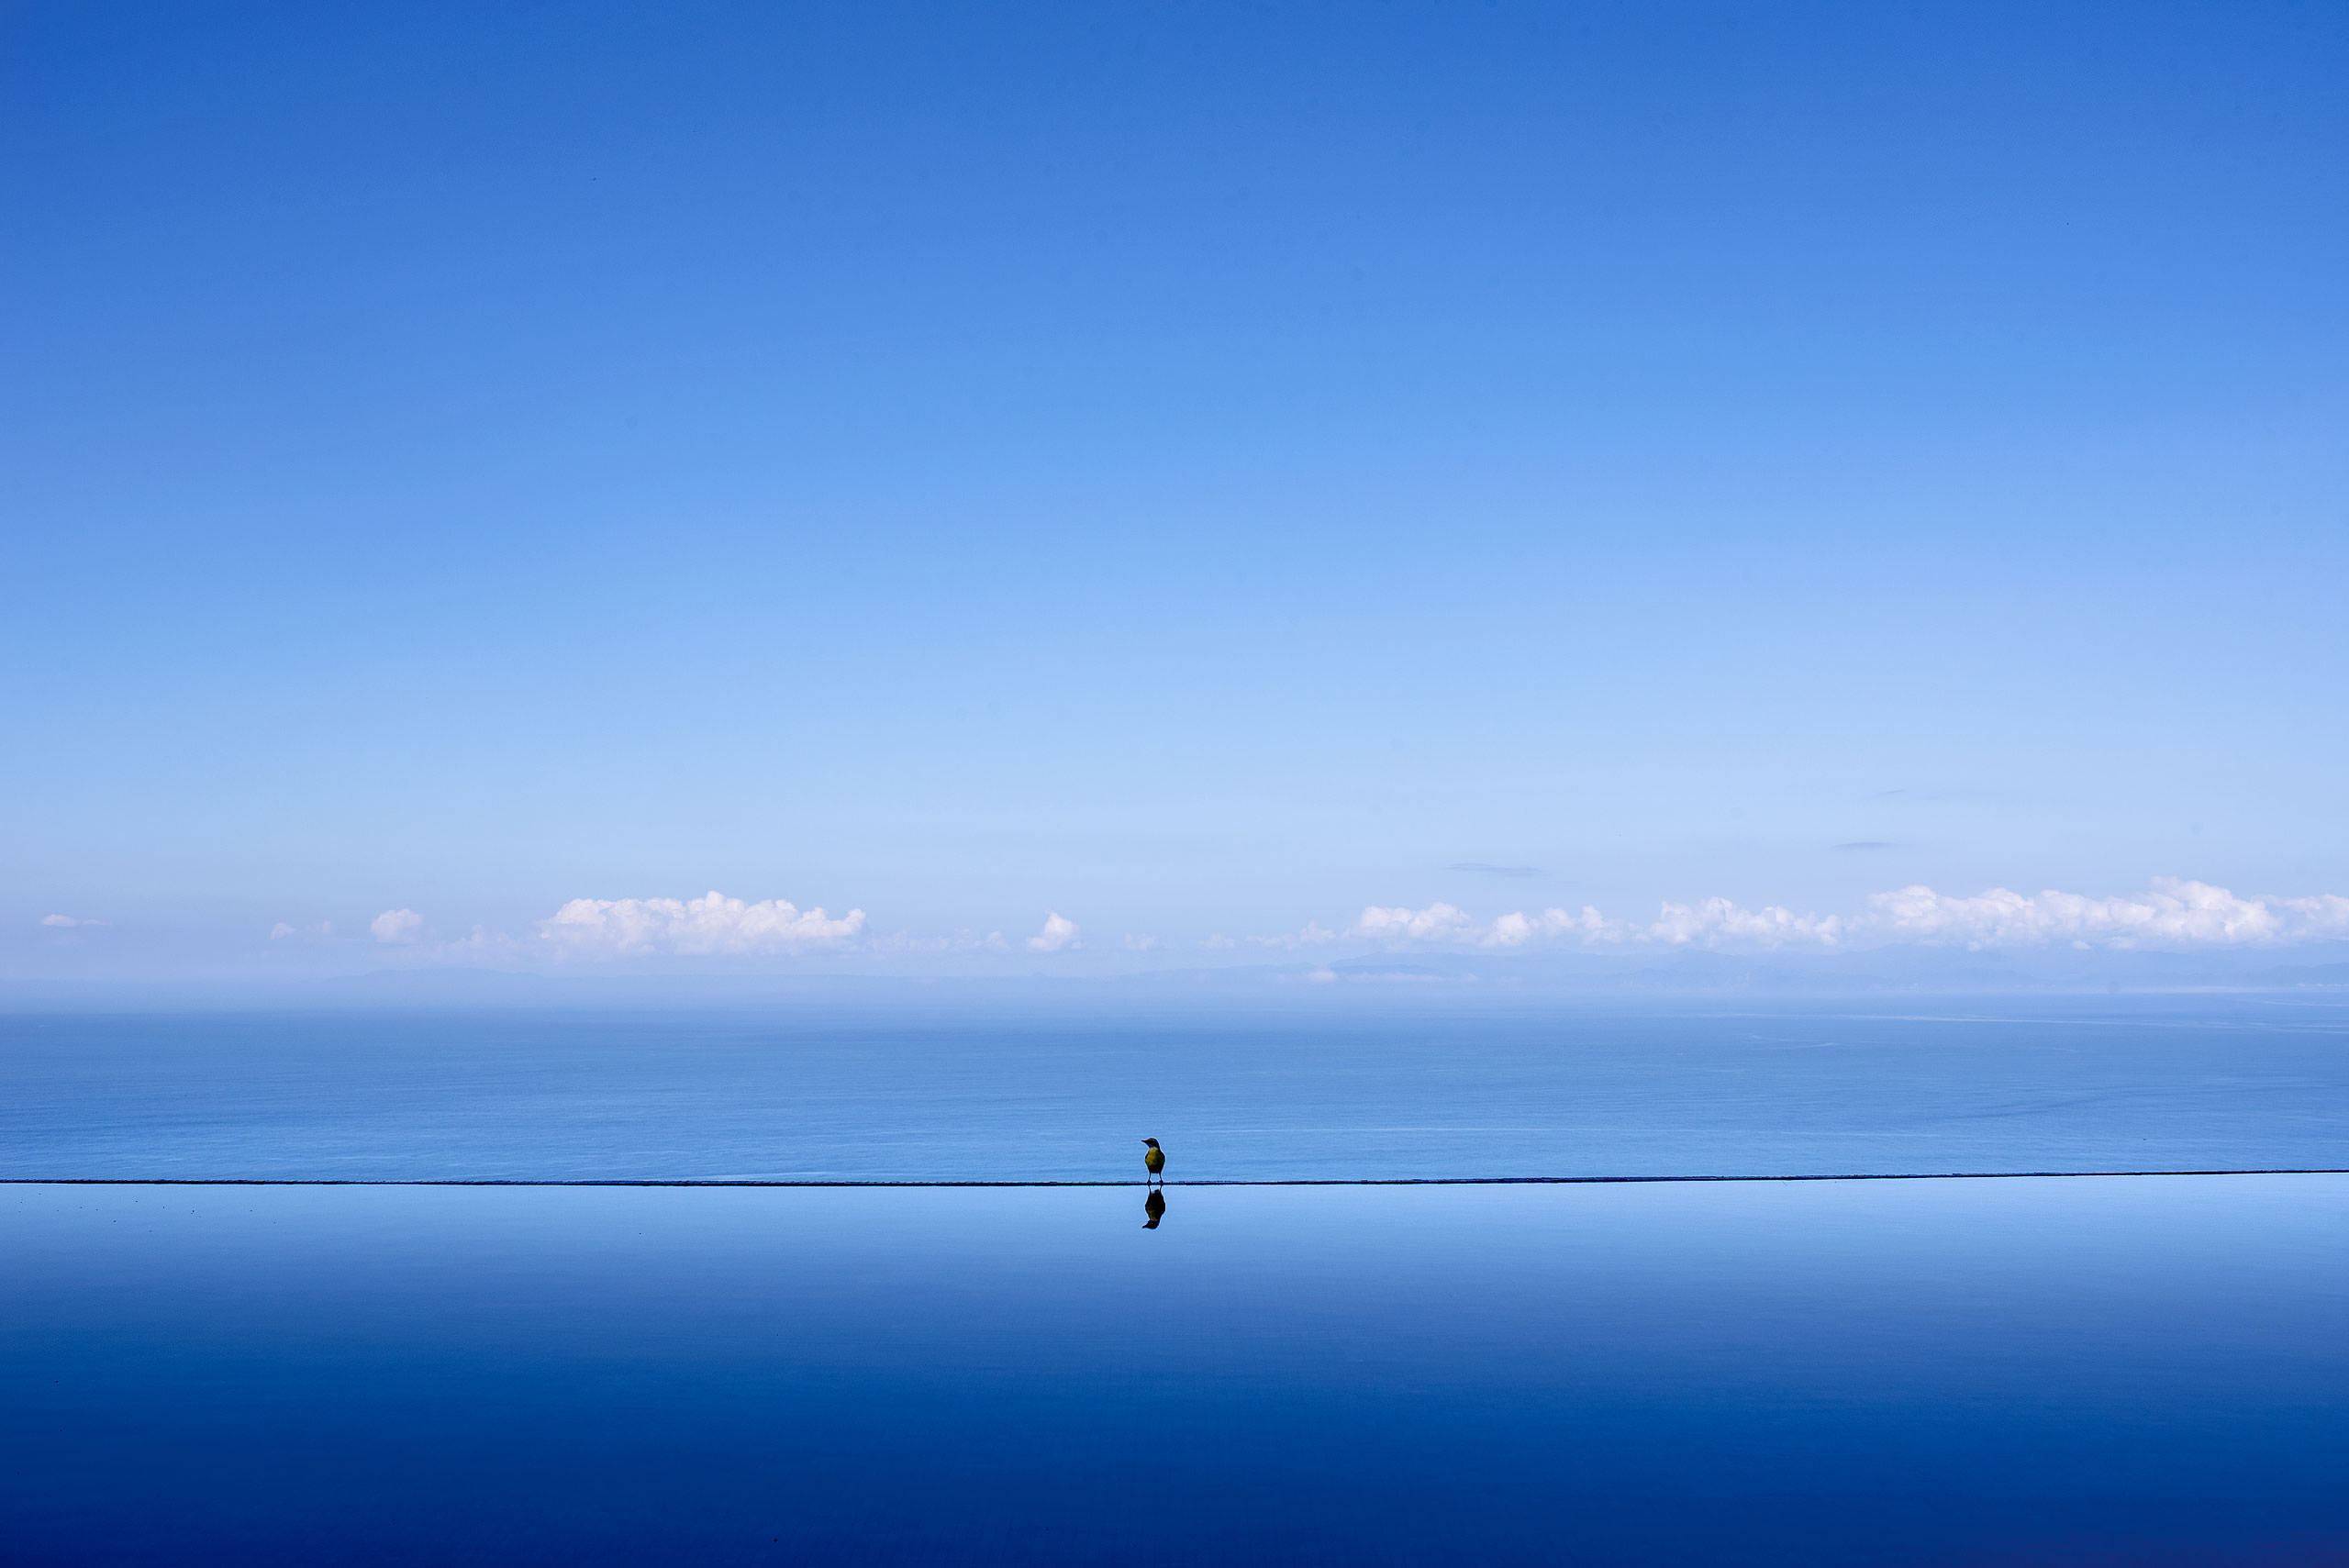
(1712, 921)
(711, 925)
(2171, 914)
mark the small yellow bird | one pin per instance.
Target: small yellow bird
(1154, 1157)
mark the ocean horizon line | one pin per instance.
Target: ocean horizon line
(1194, 1181)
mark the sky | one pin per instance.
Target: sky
(1043, 485)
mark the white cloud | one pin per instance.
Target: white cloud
(1516, 930)
(2173, 913)
(1707, 924)
(1437, 922)
(626, 927)
(1511, 932)
(1058, 933)
(68, 920)
(396, 926)
(1718, 919)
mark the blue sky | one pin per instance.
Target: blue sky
(1197, 469)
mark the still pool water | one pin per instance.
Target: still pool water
(2076, 1371)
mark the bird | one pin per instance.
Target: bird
(1154, 1157)
(1154, 1208)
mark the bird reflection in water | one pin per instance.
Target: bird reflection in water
(1154, 1208)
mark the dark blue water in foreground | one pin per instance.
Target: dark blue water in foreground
(2076, 1371)
(2043, 1084)
(2067, 1371)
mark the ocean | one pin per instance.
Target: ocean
(2012, 1370)
(2217, 1082)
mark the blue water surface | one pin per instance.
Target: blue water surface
(2044, 1371)
(2180, 1083)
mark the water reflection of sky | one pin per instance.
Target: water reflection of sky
(2148, 1370)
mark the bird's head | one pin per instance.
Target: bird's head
(1152, 1141)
